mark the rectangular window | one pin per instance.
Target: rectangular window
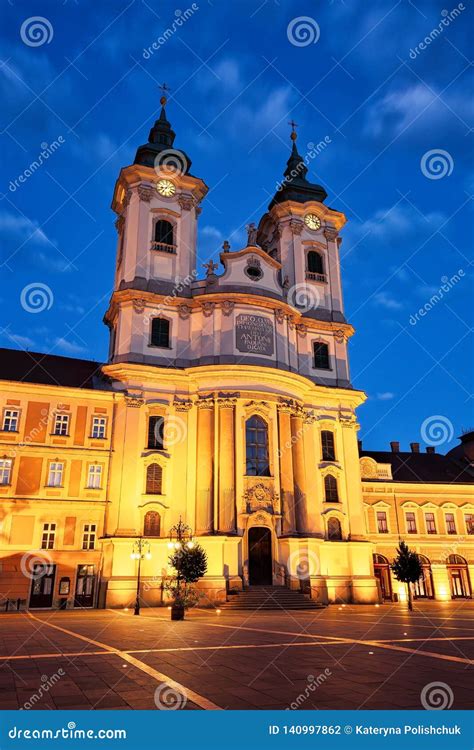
(430, 523)
(328, 446)
(99, 426)
(49, 533)
(11, 417)
(61, 424)
(155, 432)
(450, 523)
(5, 470)
(469, 518)
(94, 477)
(411, 523)
(382, 522)
(321, 356)
(55, 474)
(88, 538)
(160, 333)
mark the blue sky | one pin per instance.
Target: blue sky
(355, 76)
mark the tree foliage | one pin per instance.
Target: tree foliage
(407, 568)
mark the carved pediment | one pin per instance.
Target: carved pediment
(260, 496)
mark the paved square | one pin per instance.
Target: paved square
(350, 657)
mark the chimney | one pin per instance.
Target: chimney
(359, 445)
(415, 447)
(430, 449)
(395, 446)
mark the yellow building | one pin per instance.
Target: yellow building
(226, 402)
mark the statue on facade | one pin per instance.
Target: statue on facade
(252, 234)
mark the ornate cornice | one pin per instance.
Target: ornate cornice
(183, 404)
(134, 402)
(139, 305)
(186, 202)
(296, 227)
(227, 307)
(330, 233)
(145, 193)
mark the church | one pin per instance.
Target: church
(226, 402)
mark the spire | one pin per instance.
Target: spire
(295, 166)
(161, 138)
(295, 186)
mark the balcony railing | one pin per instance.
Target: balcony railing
(164, 247)
(311, 276)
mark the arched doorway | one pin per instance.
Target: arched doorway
(382, 573)
(458, 577)
(260, 556)
(423, 588)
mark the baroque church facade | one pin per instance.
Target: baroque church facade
(225, 402)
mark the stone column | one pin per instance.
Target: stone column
(299, 475)
(205, 467)
(226, 512)
(286, 469)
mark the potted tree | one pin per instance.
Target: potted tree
(190, 563)
(407, 568)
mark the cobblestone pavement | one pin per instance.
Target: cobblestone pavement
(341, 657)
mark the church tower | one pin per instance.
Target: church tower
(156, 200)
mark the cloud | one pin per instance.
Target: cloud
(22, 228)
(68, 347)
(56, 264)
(385, 299)
(397, 110)
(24, 342)
(399, 221)
(384, 396)
(264, 113)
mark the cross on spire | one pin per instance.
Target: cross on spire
(294, 125)
(164, 88)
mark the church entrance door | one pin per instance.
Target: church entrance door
(260, 556)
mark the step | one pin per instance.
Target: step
(259, 598)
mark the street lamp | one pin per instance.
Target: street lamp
(181, 535)
(140, 551)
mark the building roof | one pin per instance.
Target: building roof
(423, 467)
(50, 369)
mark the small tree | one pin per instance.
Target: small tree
(190, 563)
(407, 568)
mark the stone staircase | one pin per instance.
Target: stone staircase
(263, 598)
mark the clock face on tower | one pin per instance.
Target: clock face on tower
(166, 188)
(312, 221)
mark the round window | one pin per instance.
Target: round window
(254, 273)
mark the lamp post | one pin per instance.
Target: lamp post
(140, 551)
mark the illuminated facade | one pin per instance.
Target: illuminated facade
(225, 401)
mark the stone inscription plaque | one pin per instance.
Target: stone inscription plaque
(254, 334)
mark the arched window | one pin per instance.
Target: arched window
(380, 560)
(321, 356)
(154, 480)
(314, 263)
(256, 447)
(456, 560)
(328, 446)
(152, 524)
(160, 333)
(334, 529)
(164, 236)
(331, 494)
